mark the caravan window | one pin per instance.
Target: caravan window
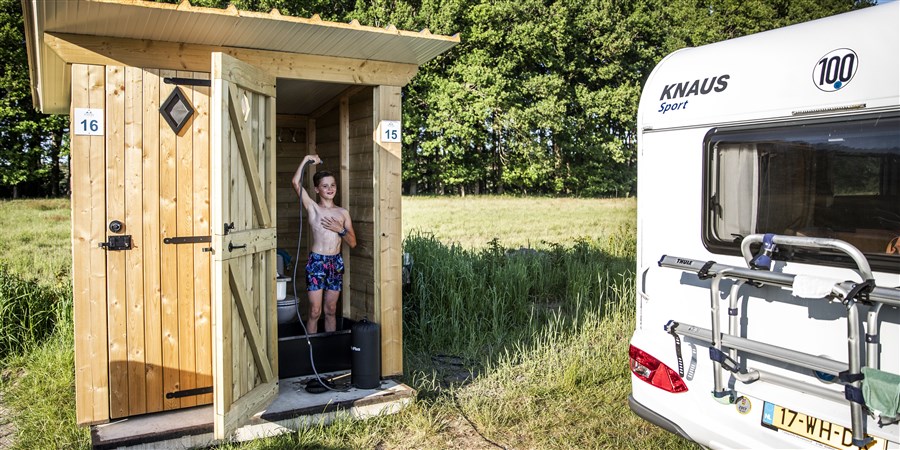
(836, 179)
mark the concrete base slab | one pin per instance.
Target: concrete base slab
(292, 408)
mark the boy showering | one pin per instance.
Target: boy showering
(331, 227)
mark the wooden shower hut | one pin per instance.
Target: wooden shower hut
(187, 125)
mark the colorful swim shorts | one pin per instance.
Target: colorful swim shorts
(324, 272)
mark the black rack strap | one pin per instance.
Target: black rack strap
(670, 328)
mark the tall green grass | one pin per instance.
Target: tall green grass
(35, 281)
(473, 303)
(38, 386)
(29, 310)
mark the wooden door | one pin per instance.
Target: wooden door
(142, 313)
(245, 327)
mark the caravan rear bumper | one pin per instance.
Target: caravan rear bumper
(656, 419)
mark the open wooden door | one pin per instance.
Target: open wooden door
(242, 205)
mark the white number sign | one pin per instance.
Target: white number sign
(390, 131)
(88, 121)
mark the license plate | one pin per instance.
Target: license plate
(818, 430)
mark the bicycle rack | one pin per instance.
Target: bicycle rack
(848, 292)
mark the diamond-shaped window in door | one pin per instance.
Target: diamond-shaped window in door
(177, 110)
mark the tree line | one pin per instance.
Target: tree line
(540, 96)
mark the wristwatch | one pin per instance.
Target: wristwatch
(342, 233)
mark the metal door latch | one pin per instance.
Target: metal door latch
(117, 243)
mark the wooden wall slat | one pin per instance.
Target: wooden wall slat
(115, 260)
(97, 187)
(184, 226)
(257, 261)
(344, 149)
(202, 321)
(271, 327)
(88, 260)
(134, 268)
(152, 312)
(237, 188)
(79, 163)
(168, 254)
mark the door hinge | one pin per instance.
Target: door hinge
(189, 240)
(189, 392)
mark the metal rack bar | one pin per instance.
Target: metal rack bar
(820, 363)
(841, 290)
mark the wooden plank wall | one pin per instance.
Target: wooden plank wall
(362, 284)
(142, 316)
(290, 144)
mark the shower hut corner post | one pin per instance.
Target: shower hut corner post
(388, 230)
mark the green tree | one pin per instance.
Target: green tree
(33, 146)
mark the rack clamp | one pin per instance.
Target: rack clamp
(703, 273)
(720, 357)
(860, 292)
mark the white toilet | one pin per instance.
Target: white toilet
(287, 304)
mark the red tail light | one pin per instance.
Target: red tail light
(653, 371)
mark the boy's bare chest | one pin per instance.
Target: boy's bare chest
(322, 213)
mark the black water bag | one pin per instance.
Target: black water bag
(365, 359)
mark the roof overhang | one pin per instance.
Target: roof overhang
(181, 37)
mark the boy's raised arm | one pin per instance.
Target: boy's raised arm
(305, 198)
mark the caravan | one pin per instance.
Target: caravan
(768, 310)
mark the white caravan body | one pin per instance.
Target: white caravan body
(794, 132)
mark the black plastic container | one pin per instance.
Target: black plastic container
(331, 351)
(365, 372)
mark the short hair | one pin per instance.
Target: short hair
(321, 174)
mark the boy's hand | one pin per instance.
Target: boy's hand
(332, 224)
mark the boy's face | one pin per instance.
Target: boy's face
(327, 188)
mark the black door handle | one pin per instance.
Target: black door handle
(231, 246)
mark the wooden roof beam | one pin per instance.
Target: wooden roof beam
(334, 101)
(74, 48)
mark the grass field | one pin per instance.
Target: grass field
(507, 347)
(473, 221)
